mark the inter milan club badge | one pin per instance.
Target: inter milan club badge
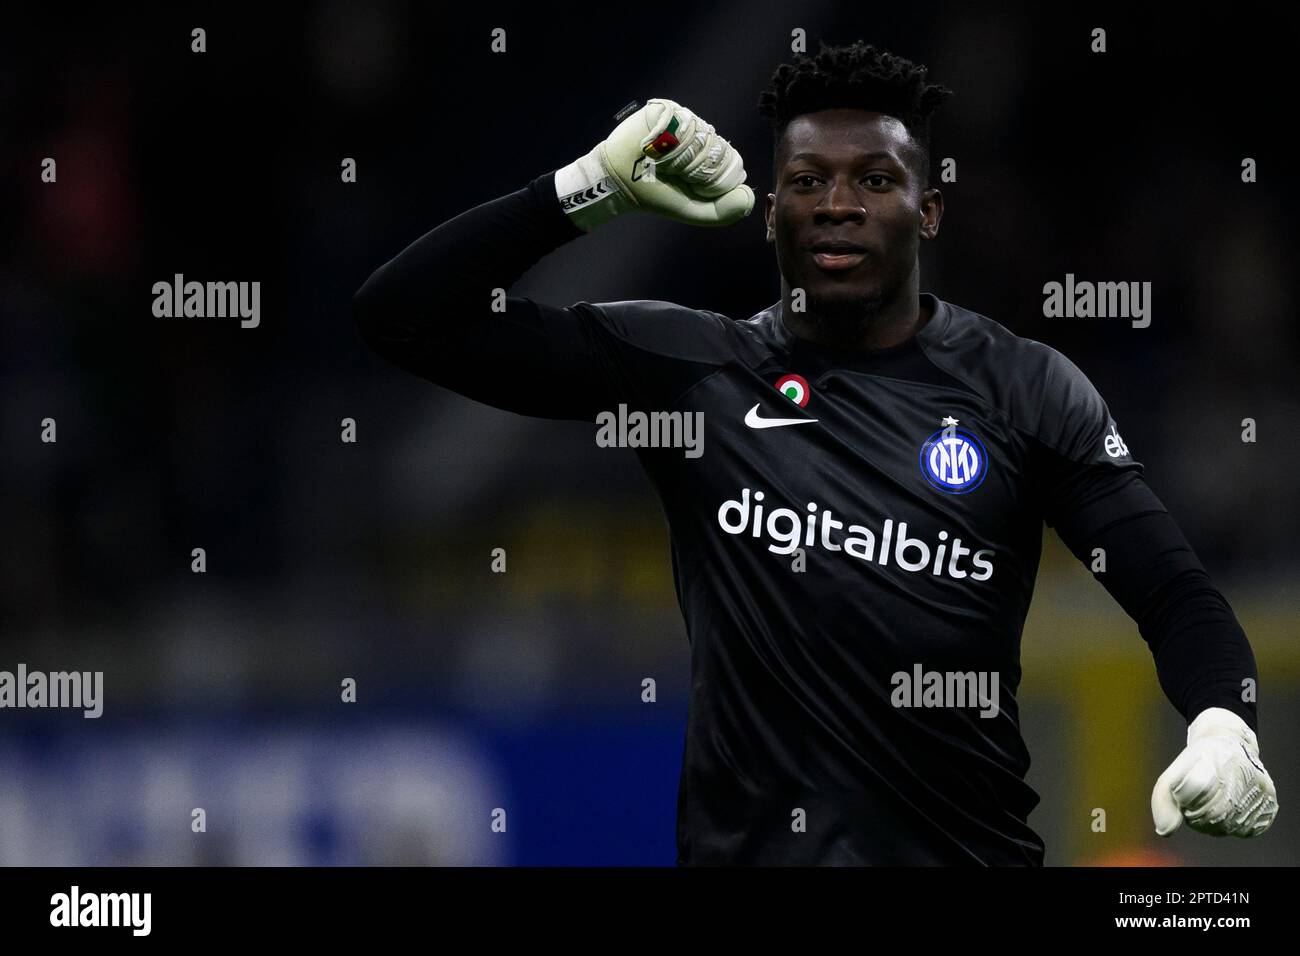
(953, 459)
(795, 388)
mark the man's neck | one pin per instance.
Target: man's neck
(893, 325)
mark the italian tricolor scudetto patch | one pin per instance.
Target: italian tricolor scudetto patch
(795, 388)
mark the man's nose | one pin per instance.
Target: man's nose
(841, 200)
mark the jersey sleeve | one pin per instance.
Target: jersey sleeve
(1073, 420)
(434, 310)
(1092, 491)
(642, 352)
(573, 362)
(1074, 442)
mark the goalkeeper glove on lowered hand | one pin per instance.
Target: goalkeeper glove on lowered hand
(1217, 784)
(661, 159)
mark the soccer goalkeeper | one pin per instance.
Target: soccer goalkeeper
(905, 450)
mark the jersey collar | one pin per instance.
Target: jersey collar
(774, 330)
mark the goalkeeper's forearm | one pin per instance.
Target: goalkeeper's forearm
(661, 158)
(1202, 656)
(445, 278)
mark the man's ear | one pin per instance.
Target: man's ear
(931, 213)
(769, 216)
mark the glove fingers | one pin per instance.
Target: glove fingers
(702, 159)
(1165, 811)
(722, 211)
(1199, 789)
(1254, 813)
(735, 205)
(718, 170)
(1249, 815)
(666, 122)
(1215, 793)
(1266, 784)
(665, 159)
(1262, 819)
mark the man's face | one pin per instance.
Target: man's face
(845, 177)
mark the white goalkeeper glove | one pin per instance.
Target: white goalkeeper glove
(662, 159)
(1217, 784)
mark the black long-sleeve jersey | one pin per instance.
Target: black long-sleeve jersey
(853, 517)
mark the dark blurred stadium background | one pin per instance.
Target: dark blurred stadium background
(329, 560)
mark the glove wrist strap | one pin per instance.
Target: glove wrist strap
(588, 194)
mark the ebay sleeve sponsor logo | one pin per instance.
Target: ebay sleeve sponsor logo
(786, 529)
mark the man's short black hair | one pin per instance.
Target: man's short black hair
(856, 76)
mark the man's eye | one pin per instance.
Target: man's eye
(877, 180)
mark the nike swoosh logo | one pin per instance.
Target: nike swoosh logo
(753, 420)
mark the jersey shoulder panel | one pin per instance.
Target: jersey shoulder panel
(1043, 394)
(669, 330)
